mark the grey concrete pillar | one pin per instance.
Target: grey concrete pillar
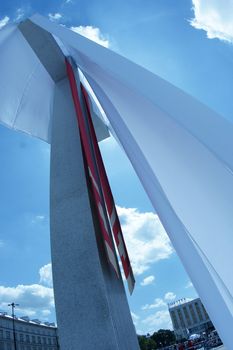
(91, 305)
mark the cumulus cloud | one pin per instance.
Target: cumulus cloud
(45, 273)
(4, 21)
(19, 14)
(214, 17)
(135, 318)
(46, 312)
(38, 219)
(54, 16)
(147, 280)
(160, 319)
(158, 303)
(92, 33)
(189, 285)
(169, 296)
(33, 300)
(146, 239)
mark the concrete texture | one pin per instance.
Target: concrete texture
(91, 305)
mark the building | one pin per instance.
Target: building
(29, 334)
(189, 317)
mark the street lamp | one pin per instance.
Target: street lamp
(13, 305)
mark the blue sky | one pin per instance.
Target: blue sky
(189, 43)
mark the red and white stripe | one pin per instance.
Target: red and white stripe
(109, 200)
(93, 172)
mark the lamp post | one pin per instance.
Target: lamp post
(13, 305)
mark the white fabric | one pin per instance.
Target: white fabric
(26, 89)
(180, 149)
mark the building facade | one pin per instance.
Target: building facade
(29, 334)
(189, 317)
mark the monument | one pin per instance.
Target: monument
(69, 92)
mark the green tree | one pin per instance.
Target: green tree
(164, 337)
(146, 343)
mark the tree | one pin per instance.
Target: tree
(164, 337)
(146, 343)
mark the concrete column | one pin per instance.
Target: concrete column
(91, 305)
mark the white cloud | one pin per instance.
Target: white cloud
(169, 296)
(214, 17)
(161, 319)
(19, 14)
(46, 312)
(158, 302)
(45, 273)
(33, 299)
(92, 33)
(4, 21)
(188, 299)
(38, 219)
(135, 318)
(1, 243)
(148, 280)
(55, 16)
(189, 285)
(146, 239)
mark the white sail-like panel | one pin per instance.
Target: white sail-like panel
(185, 183)
(180, 149)
(195, 116)
(26, 89)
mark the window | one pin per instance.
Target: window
(8, 335)
(199, 311)
(21, 337)
(27, 338)
(33, 339)
(187, 316)
(49, 341)
(193, 313)
(1, 333)
(1, 346)
(8, 346)
(181, 318)
(39, 340)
